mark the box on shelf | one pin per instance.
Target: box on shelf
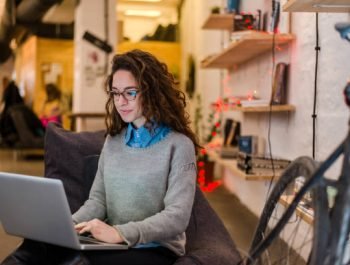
(244, 22)
(248, 144)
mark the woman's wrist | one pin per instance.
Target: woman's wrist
(118, 237)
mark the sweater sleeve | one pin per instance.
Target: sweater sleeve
(95, 205)
(174, 218)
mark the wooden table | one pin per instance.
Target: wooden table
(84, 116)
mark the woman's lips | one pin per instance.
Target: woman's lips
(124, 112)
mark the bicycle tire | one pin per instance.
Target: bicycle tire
(321, 224)
(321, 220)
(302, 166)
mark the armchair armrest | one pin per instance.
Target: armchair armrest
(208, 241)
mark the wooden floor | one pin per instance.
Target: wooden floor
(24, 162)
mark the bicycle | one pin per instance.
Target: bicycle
(331, 222)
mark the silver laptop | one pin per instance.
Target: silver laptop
(37, 208)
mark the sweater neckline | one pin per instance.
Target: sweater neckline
(142, 149)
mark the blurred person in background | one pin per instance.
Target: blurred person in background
(10, 97)
(51, 110)
(19, 126)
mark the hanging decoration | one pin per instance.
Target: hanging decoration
(191, 79)
(205, 167)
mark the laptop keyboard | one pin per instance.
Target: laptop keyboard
(88, 240)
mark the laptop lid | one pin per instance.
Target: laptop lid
(37, 208)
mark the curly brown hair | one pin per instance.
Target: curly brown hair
(161, 101)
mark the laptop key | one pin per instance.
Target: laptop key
(88, 240)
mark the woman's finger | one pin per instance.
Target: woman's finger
(80, 225)
(85, 229)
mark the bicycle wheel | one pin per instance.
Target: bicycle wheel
(302, 166)
(319, 234)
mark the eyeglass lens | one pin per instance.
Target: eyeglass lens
(127, 94)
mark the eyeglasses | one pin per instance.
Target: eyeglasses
(128, 94)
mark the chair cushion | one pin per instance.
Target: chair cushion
(65, 152)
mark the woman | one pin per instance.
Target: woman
(51, 110)
(145, 181)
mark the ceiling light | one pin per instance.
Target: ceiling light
(142, 13)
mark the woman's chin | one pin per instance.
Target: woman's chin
(126, 120)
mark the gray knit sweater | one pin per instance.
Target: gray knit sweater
(146, 193)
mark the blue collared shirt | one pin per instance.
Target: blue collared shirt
(143, 137)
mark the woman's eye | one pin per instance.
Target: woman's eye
(132, 93)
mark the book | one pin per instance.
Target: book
(279, 89)
(232, 131)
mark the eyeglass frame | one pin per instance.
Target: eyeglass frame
(114, 94)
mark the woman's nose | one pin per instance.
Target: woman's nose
(121, 100)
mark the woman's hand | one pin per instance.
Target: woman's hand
(99, 230)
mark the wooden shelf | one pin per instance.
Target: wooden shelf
(337, 6)
(274, 108)
(231, 165)
(219, 21)
(247, 45)
(286, 200)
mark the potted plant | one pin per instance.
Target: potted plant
(215, 10)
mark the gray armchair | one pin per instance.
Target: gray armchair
(72, 157)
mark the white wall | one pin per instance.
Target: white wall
(291, 133)
(90, 62)
(199, 43)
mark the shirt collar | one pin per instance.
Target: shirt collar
(144, 134)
